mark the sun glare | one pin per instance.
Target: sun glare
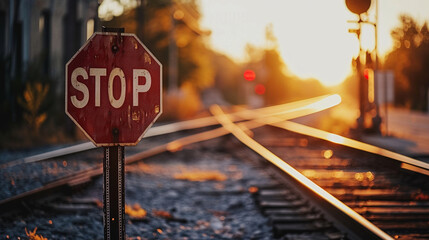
(312, 35)
(110, 8)
(325, 103)
(313, 43)
(335, 138)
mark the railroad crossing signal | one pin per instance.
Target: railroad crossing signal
(260, 89)
(249, 75)
(113, 89)
(358, 6)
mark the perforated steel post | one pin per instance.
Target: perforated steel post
(114, 178)
(114, 193)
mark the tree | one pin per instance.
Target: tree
(228, 78)
(170, 29)
(157, 23)
(409, 59)
(280, 84)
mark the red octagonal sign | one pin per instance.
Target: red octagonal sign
(113, 89)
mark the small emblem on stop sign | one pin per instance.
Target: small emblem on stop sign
(113, 89)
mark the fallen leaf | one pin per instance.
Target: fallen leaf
(135, 211)
(162, 214)
(33, 236)
(201, 176)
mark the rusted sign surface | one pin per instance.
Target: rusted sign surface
(113, 89)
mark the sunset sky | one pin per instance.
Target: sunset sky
(312, 35)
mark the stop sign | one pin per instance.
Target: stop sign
(113, 89)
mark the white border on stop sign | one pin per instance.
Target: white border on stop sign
(160, 89)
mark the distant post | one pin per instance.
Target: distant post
(359, 7)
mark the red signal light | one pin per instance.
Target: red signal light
(249, 75)
(368, 73)
(259, 89)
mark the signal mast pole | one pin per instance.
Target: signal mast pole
(359, 7)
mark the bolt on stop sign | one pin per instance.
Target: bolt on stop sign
(113, 89)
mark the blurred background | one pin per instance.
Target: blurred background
(245, 52)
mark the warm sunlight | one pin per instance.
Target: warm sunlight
(325, 103)
(312, 35)
(335, 138)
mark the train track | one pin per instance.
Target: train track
(91, 170)
(358, 227)
(293, 110)
(386, 188)
(340, 209)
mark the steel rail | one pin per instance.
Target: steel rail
(358, 225)
(408, 163)
(178, 144)
(259, 121)
(180, 126)
(175, 145)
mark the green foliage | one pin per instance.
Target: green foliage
(171, 28)
(410, 61)
(182, 104)
(202, 68)
(228, 78)
(14, 86)
(278, 84)
(32, 113)
(31, 101)
(195, 66)
(153, 22)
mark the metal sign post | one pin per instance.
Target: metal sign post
(113, 93)
(114, 193)
(114, 181)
